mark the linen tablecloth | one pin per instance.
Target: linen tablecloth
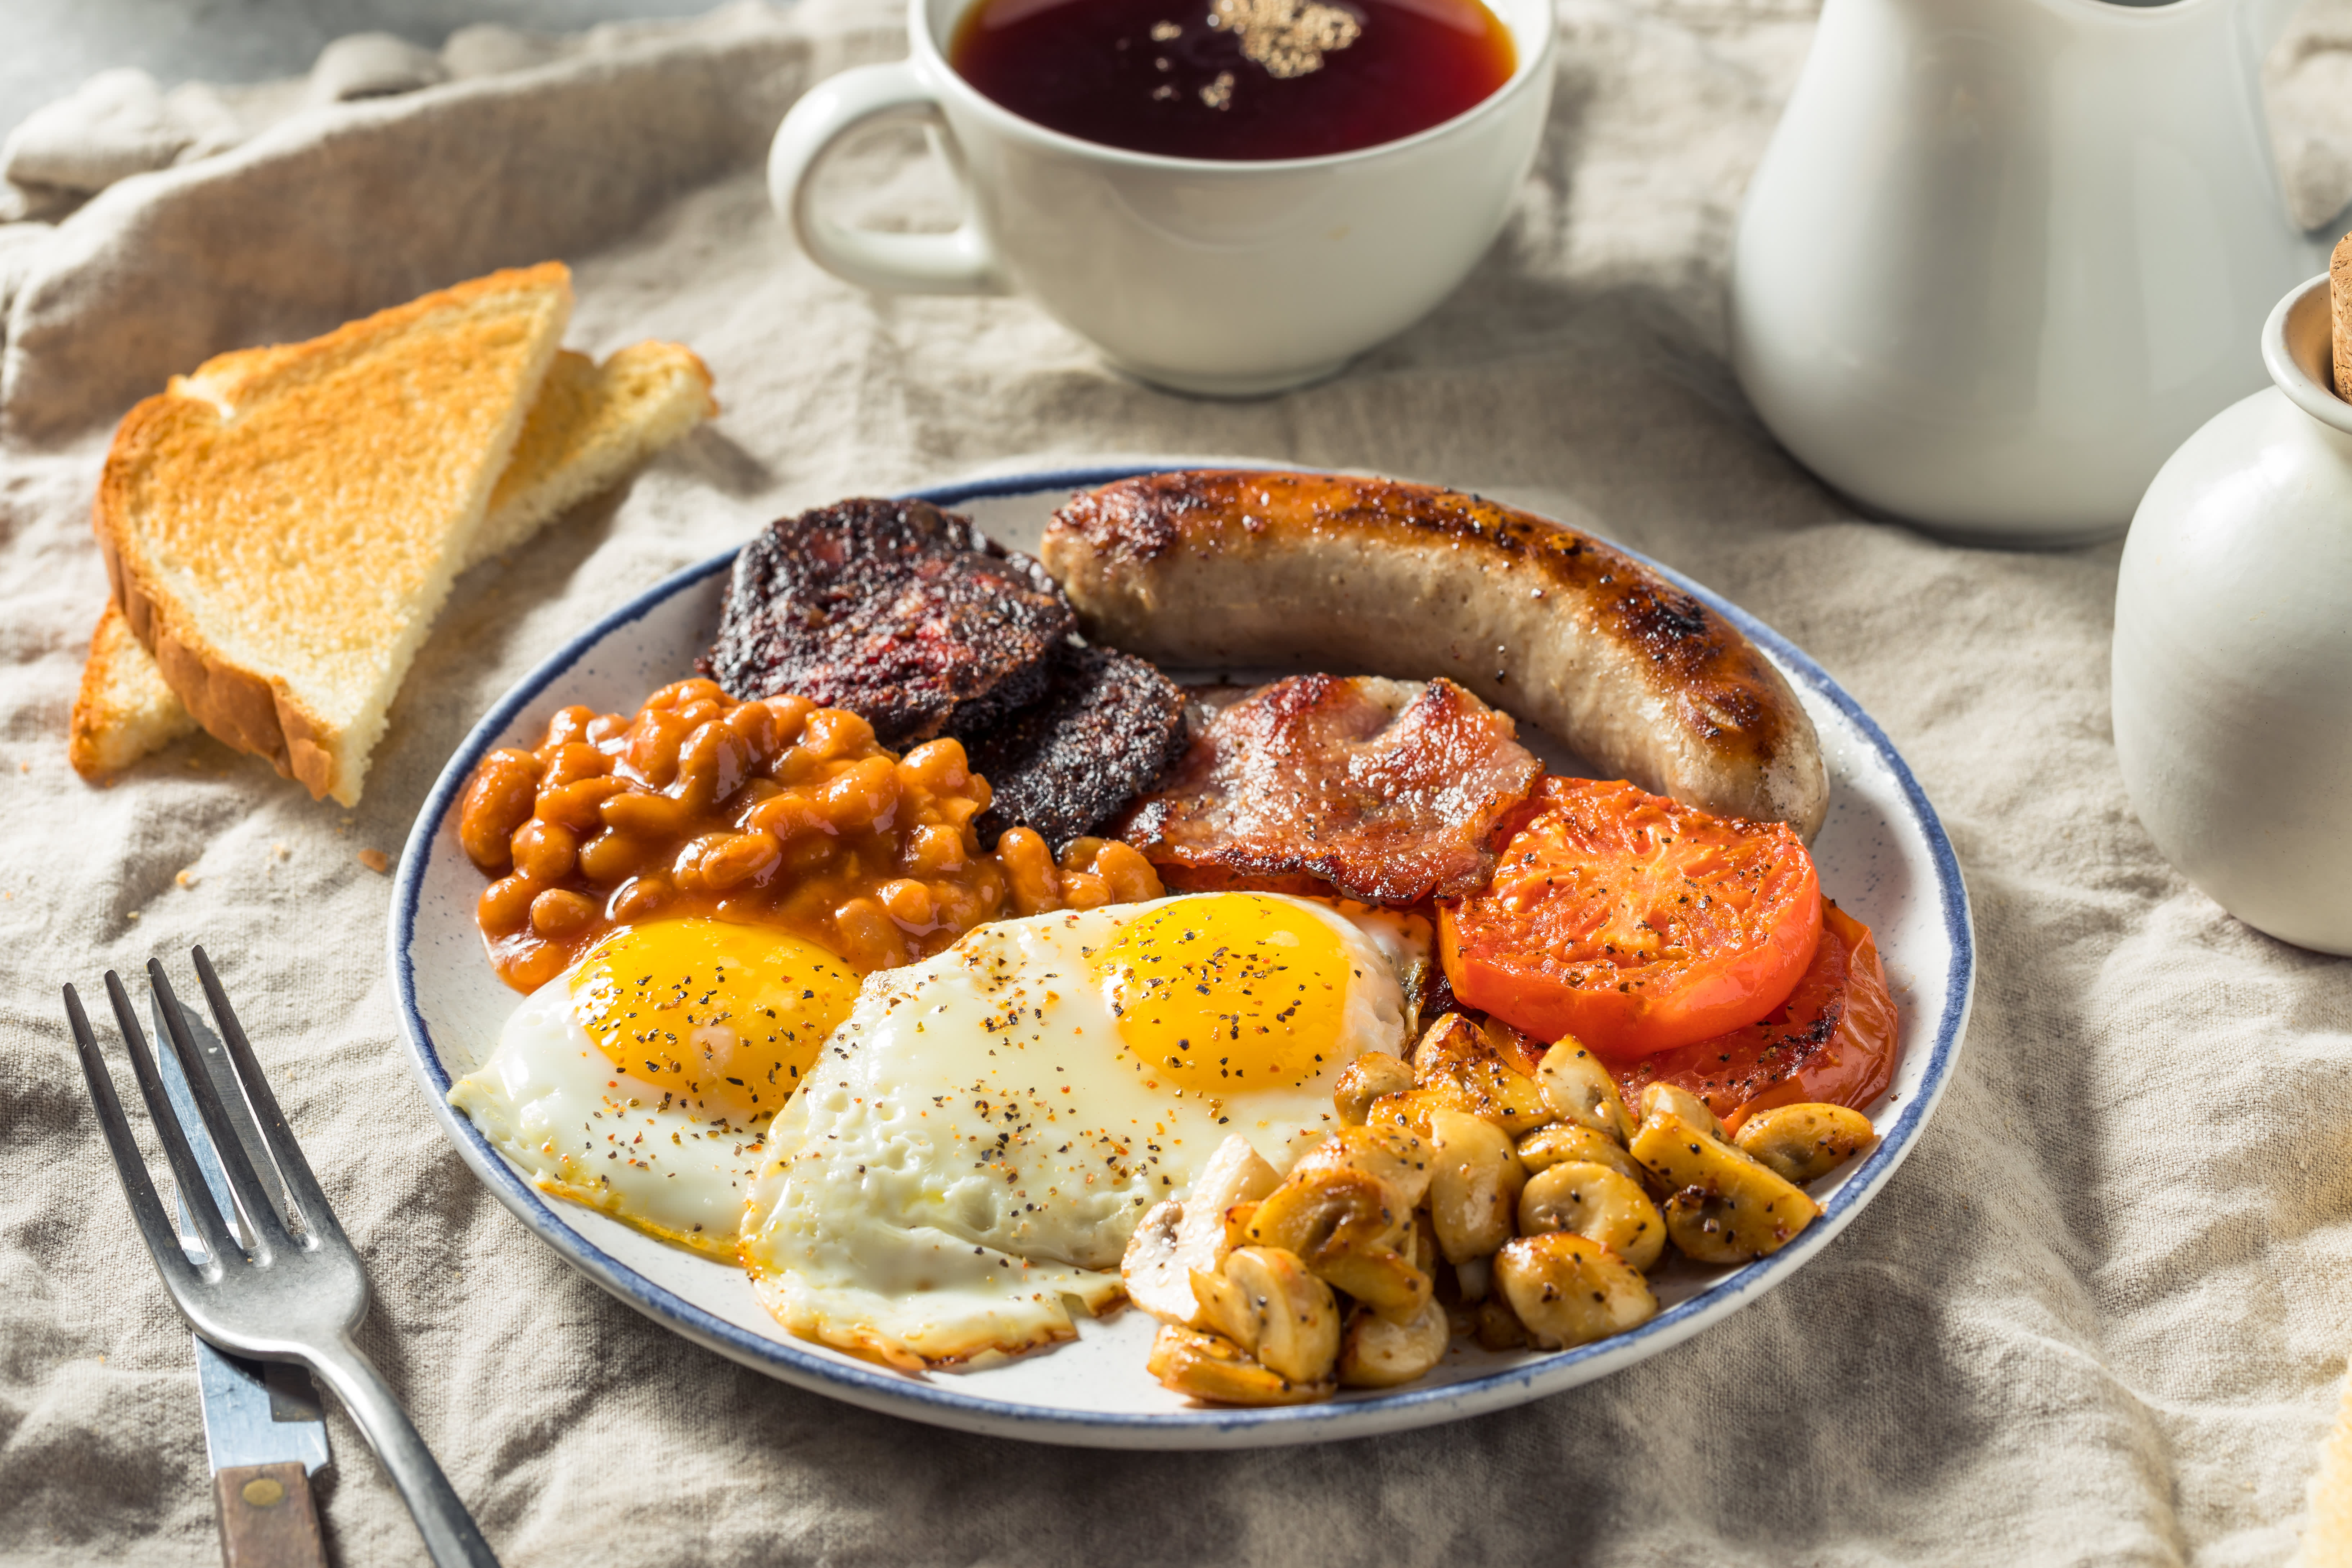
(2101, 1316)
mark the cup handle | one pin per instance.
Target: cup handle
(959, 262)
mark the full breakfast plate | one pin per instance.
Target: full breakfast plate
(1880, 852)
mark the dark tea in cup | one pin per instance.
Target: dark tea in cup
(1234, 79)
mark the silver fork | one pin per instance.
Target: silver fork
(297, 1291)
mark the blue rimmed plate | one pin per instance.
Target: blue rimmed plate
(1882, 854)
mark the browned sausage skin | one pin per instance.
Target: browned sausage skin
(1332, 572)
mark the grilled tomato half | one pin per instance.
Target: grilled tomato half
(1634, 923)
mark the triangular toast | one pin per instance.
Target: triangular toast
(590, 425)
(281, 527)
(124, 710)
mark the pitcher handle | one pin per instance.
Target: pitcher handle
(961, 261)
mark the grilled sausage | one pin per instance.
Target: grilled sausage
(1332, 572)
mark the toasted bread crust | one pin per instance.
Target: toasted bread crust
(234, 704)
(588, 428)
(188, 438)
(124, 710)
(590, 425)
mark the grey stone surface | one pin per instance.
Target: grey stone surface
(48, 46)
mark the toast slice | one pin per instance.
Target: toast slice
(125, 711)
(280, 528)
(589, 427)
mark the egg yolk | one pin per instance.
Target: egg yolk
(725, 1017)
(1227, 993)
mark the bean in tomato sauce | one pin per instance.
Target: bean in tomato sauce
(772, 812)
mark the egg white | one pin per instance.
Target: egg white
(975, 1144)
(552, 1102)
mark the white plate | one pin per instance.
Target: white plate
(1882, 854)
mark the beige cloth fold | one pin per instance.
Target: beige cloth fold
(2101, 1316)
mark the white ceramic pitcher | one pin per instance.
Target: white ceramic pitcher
(2003, 256)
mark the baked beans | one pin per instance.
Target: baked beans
(774, 812)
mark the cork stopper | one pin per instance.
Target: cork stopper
(2339, 313)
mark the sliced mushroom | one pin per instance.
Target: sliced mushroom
(1580, 1089)
(1398, 1158)
(1408, 1112)
(1699, 1223)
(1180, 1235)
(1569, 1291)
(1450, 1038)
(1522, 1051)
(1225, 1309)
(1205, 1366)
(1423, 1251)
(1236, 1172)
(1456, 1061)
(1475, 1188)
(1327, 1209)
(1675, 1099)
(1366, 1080)
(1495, 1326)
(1266, 1302)
(1727, 1208)
(1599, 1204)
(1347, 1225)
(1804, 1142)
(1564, 1141)
(1378, 1353)
(1152, 1268)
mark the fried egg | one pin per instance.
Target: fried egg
(640, 1080)
(979, 1138)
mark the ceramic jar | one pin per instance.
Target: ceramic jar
(2233, 647)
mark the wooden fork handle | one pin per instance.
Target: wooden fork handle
(267, 1518)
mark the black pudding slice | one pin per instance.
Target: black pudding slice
(902, 614)
(1107, 727)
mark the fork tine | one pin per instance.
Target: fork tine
(301, 1186)
(138, 1187)
(263, 1222)
(212, 1228)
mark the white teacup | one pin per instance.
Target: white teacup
(1228, 279)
